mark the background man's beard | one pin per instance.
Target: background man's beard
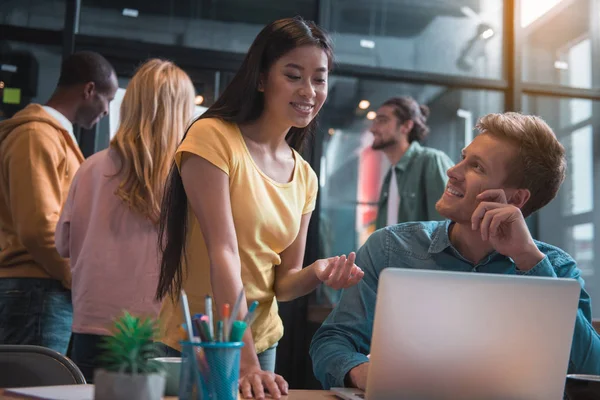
(382, 145)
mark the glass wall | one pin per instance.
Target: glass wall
(45, 14)
(570, 221)
(558, 41)
(29, 74)
(351, 172)
(461, 37)
(225, 25)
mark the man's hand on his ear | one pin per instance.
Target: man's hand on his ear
(503, 226)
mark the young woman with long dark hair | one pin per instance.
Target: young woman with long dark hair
(239, 198)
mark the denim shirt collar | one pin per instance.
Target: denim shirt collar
(440, 238)
(440, 241)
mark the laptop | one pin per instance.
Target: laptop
(449, 335)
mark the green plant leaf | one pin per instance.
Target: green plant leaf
(131, 347)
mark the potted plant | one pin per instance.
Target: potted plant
(129, 371)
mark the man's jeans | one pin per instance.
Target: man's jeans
(36, 312)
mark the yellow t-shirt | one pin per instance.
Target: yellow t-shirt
(266, 215)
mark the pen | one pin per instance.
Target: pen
(196, 328)
(249, 318)
(199, 330)
(205, 329)
(237, 331)
(186, 316)
(226, 317)
(209, 311)
(235, 311)
(220, 331)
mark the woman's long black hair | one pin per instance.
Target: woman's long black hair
(240, 102)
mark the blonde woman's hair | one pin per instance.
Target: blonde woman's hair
(155, 112)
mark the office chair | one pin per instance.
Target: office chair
(24, 365)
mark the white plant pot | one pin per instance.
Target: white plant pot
(117, 386)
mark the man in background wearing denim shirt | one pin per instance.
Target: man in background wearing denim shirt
(512, 169)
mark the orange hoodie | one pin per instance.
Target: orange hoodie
(38, 160)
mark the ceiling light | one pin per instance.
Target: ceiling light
(371, 115)
(364, 104)
(199, 100)
(561, 65)
(488, 33)
(8, 68)
(367, 44)
(130, 12)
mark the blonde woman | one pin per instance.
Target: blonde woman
(108, 225)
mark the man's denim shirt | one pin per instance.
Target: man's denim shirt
(343, 341)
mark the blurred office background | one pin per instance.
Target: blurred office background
(462, 58)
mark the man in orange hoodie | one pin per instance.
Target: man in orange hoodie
(38, 160)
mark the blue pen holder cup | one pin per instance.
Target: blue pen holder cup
(210, 370)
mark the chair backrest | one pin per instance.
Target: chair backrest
(24, 365)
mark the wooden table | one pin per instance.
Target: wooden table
(294, 395)
(297, 395)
